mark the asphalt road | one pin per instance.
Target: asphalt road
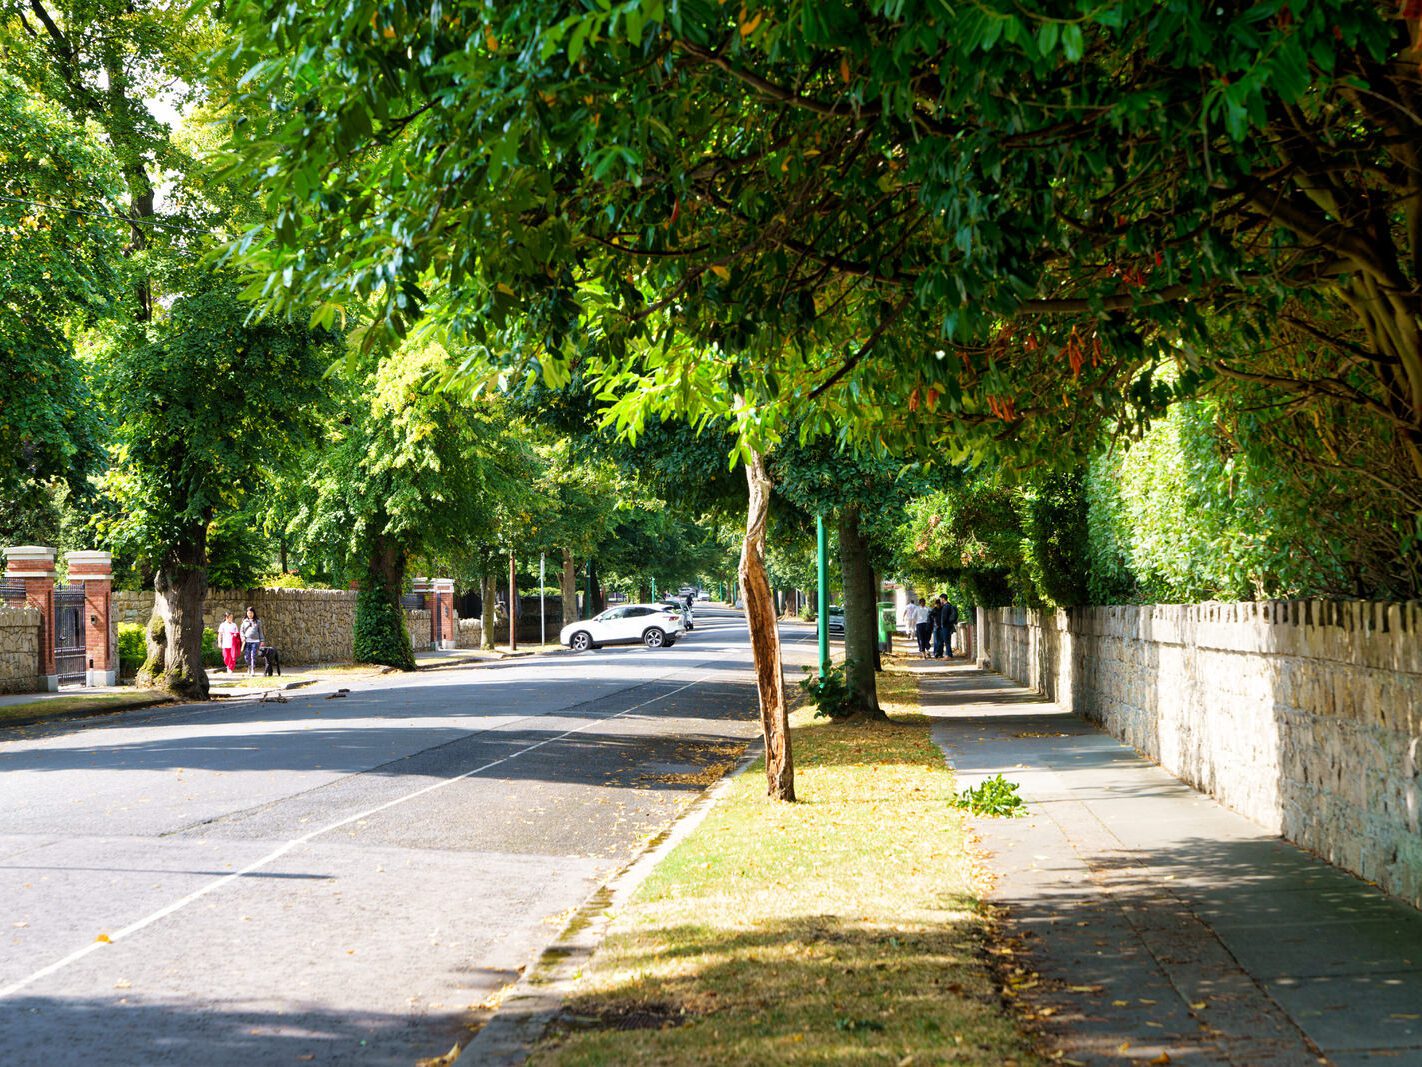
(338, 880)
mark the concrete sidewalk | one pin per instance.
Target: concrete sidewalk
(1161, 927)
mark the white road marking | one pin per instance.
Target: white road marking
(275, 854)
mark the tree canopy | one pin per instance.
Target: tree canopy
(1004, 216)
(58, 255)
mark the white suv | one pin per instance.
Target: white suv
(654, 625)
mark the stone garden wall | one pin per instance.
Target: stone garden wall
(468, 632)
(308, 626)
(19, 650)
(417, 623)
(1305, 716)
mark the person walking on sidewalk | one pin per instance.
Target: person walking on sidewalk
(945, 624)
(229, 639)
(923, 626)
(908, 619)
(252, 639)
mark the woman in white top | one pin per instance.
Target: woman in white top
(229, 639)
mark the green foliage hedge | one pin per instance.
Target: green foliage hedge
(133, 648)
(380, 635)
(1182, 513)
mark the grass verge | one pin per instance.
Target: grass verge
(842, 929)
(33, 711)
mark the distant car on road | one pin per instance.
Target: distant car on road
(836, 619)
(703, 595)
(654, 625)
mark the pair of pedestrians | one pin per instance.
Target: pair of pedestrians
(247, 638)
(933, 624)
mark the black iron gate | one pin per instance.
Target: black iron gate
(69, 646)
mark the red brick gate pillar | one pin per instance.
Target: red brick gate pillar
(96, 571)
(32, 566)
(443, 609)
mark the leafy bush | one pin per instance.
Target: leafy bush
(132, 648)
(829, 694)
(996, 796)
(211, 654)
(1055, 545)
(380, 635)
(281, 580)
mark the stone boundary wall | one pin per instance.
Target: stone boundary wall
(1304, 716)
(417, 625)
(308, 626)
(20, 650)
(468, 632)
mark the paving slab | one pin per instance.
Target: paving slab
(1164, 927)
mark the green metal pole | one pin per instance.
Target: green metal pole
(823, 612)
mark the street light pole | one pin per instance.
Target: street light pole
(542, 605)
(822, 614)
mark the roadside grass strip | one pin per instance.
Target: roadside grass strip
(841, 929)
(33, 711)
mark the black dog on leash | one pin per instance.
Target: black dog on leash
(273, 658)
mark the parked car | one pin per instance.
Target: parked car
(654, 625)
(836, 619)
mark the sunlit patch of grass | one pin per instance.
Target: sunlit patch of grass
(32, 711)
(841, 929)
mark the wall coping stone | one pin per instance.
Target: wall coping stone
(29, 561)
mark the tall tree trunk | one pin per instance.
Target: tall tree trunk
(490, 619)
(175, 648)
(568, 586)
(765, 636)
(599, 601)
(861, 625)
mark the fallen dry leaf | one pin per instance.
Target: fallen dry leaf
(441, 1061)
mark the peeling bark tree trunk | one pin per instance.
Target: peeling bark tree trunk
(568, 586)
(765, 636)
(179, 586)
(861, 625)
